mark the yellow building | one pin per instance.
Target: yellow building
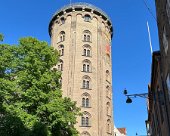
(82, 34)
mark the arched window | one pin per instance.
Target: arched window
(62, 36)
(87, 36)
(83, 102)
(108, 110)
(86, 100)
(62, 20)
(86, 50)
(85, 119)
(60, 65)
(107, 75)
(108, 58)
(85, 133)
(108, 126)
(108, 92)
(60, 81)
(61, 50)
(86, 82)
(87, 18)
(86, 66)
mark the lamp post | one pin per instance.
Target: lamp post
(129, 100)
(130, 96)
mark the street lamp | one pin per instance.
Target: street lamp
(130, 96)
(129, 100)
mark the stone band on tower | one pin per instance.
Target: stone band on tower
(82, 34)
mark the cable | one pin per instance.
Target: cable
(150, 11)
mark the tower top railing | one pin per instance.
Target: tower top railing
(82, 4)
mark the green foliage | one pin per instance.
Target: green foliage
(31, 102)
(1, 37)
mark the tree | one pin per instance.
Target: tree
(1, 37)
(30, 94)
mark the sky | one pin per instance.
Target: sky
(131, 55)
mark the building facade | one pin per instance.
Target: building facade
(157, 124)
(159, 90)
(82, 34)
(119, 131)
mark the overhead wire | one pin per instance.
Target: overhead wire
(149, 9)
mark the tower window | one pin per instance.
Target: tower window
(62, 36)
(85, 133)
(85, 119)
(83, 122)
(87, 50)
(60, 65)
(83, 102)
(86, 82)
(62, 20)
(108, 110)
(108, 126)
(107, 75)
(61, 50)
(86, 100)
(86, 66)
(87, 18)
(60, 81)
(87, 36)
(108, 92)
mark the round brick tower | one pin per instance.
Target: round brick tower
(82, 34)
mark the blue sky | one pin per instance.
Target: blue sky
(131, 57)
